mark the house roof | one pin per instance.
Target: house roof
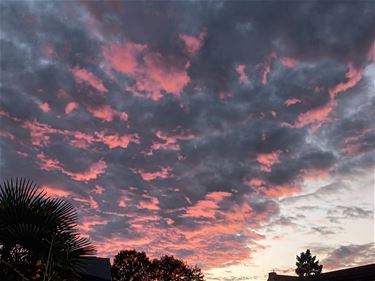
(96, 269)
(360, 273)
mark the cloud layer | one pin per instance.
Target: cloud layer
(177, 127)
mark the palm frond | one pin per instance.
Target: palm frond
(45, 226)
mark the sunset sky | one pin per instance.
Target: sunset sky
(233, 135)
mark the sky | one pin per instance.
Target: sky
(233, 135)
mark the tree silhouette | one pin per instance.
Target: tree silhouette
(168, 268)
(307, 264)
(38, 236)
(130, 265)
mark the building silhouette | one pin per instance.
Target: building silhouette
(360, 273)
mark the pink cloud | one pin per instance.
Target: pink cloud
(107, 113)
(98, 189)
(289, 62)
(89, 201)
(153, 75)
(48, 164)
(159, 75)
(201, 240)
(353, 144)
(233, 221)
(7, 134)
(91, 173)
(123, 116)
(278, 191)
(267, 160)
(113, 141)
(263, 188)
(266, 67)
(123, 57)
(122, 201)
(6, 114)
(111, 246)
(87, 223)
(23, 154)
(149, 203)
(44, 107)
(193, 43)
(256, 182)
(314, 174)
(292, 101)
(318, 116)
(82, 75)
(207, 207)
(353, 77)
(70, 107)
(55, 191)
(104, 112)
(150, 176)
(39, 132)
(240, 69)
(40, 135)
(352, 149)
(170, 141)
(81, 140)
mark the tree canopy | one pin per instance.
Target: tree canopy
(130, 265)
(307, 264)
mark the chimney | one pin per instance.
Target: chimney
(272, 276)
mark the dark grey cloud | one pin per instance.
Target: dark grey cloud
(349, 255)
(340, 213)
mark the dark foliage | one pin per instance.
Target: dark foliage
(170, 268)
(38, 236)
(130, 265)
(307, 265)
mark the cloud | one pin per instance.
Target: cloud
(154, 74)
(55, 191)
(123, 57)
(82, 75)
(339, 213)
(202, 121)
(150, 176)
(349, 256)
(192, 43)
(113, 141)
(208, 207)
(44, 107)
(91, 173)
(240, 69)
(70, 107)
(149, 203)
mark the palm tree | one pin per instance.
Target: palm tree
(38, 236)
